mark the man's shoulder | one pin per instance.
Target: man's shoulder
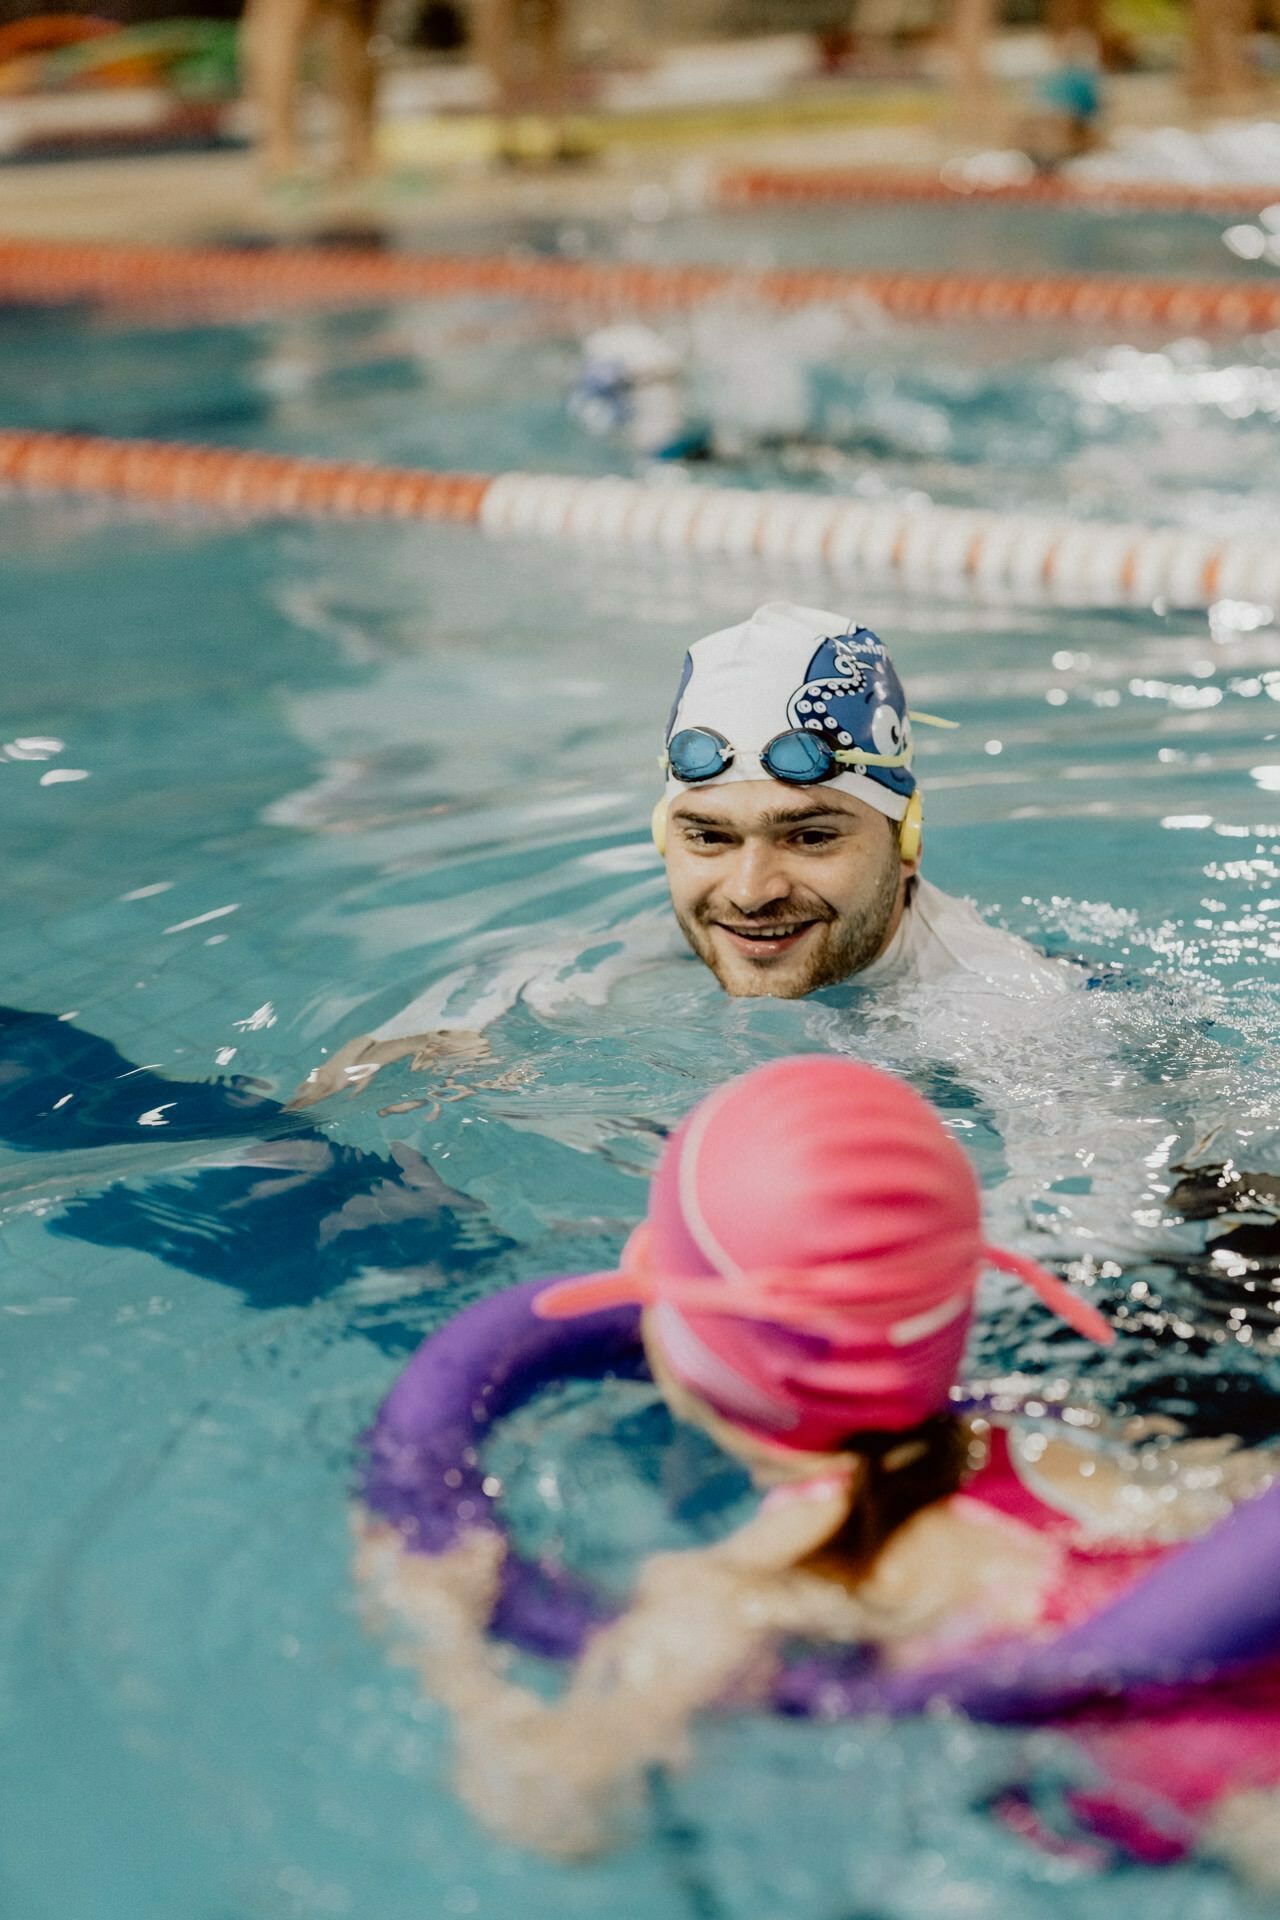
(951, 937)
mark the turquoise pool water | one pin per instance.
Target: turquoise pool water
(1170, 430)
(322, 771)
(960, 236)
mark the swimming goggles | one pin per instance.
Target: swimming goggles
(800, 759)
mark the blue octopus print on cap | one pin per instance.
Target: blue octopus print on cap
(686, 675)
(791, 669)
(852, 697)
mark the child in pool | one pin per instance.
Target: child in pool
(808, 1270)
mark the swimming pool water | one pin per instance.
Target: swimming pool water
(1177, 431)
(669, 224)
(323, 771)
(282, 738)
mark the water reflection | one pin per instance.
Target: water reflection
(273, 1207)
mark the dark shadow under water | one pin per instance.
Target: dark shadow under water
(285, 1215)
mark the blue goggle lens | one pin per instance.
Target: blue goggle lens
(696, 753)
(801, 758)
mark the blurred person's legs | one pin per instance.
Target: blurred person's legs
(1076, 16)
(972, 25)
(354, 82)
(273, 36)
(1217, 50)
(547, 30)
(275, 40)
(1114, 39)
(522, 44)
(1066, 120)
(1266, 19)
(494, 31)
(872, 23)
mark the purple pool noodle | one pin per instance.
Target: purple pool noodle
(422, 1471)
(1211, 1607)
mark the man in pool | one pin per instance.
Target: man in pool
(792, 822)
(792, 832)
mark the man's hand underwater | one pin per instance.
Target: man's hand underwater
(353, 1066)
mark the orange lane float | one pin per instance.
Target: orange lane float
(254, 485)
(238, 281)
(991, 556)
(846, 186)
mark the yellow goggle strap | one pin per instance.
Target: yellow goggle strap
(911, 830)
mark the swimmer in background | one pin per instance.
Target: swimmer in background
(632, 387)
(733, 387)
(808, 1273)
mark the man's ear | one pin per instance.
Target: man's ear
(658, 826)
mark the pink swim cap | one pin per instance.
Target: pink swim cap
(812, 1249)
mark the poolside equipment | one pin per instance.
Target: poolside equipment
(192, 56)
(1210, 1608)
(25, 44)
(41, 33)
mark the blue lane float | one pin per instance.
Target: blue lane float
(1210, 1609)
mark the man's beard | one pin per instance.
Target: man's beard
(845, 945)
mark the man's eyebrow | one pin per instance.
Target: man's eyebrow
(802, 816)
(685, 818)
(773, 817)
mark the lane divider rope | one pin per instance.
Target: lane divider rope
(277, 279)
(993, 556)
(230, 480)
(846, 186)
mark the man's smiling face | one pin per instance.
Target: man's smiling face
(782, 890)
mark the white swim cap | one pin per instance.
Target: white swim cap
(632, 352)
(802, 669)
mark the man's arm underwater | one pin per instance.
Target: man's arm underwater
(352, 1067)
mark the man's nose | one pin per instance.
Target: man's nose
(758, 879)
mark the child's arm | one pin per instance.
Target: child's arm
(1162, 1494)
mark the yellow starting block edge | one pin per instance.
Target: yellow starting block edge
(443, 140)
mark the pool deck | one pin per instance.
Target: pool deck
(437, 173)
